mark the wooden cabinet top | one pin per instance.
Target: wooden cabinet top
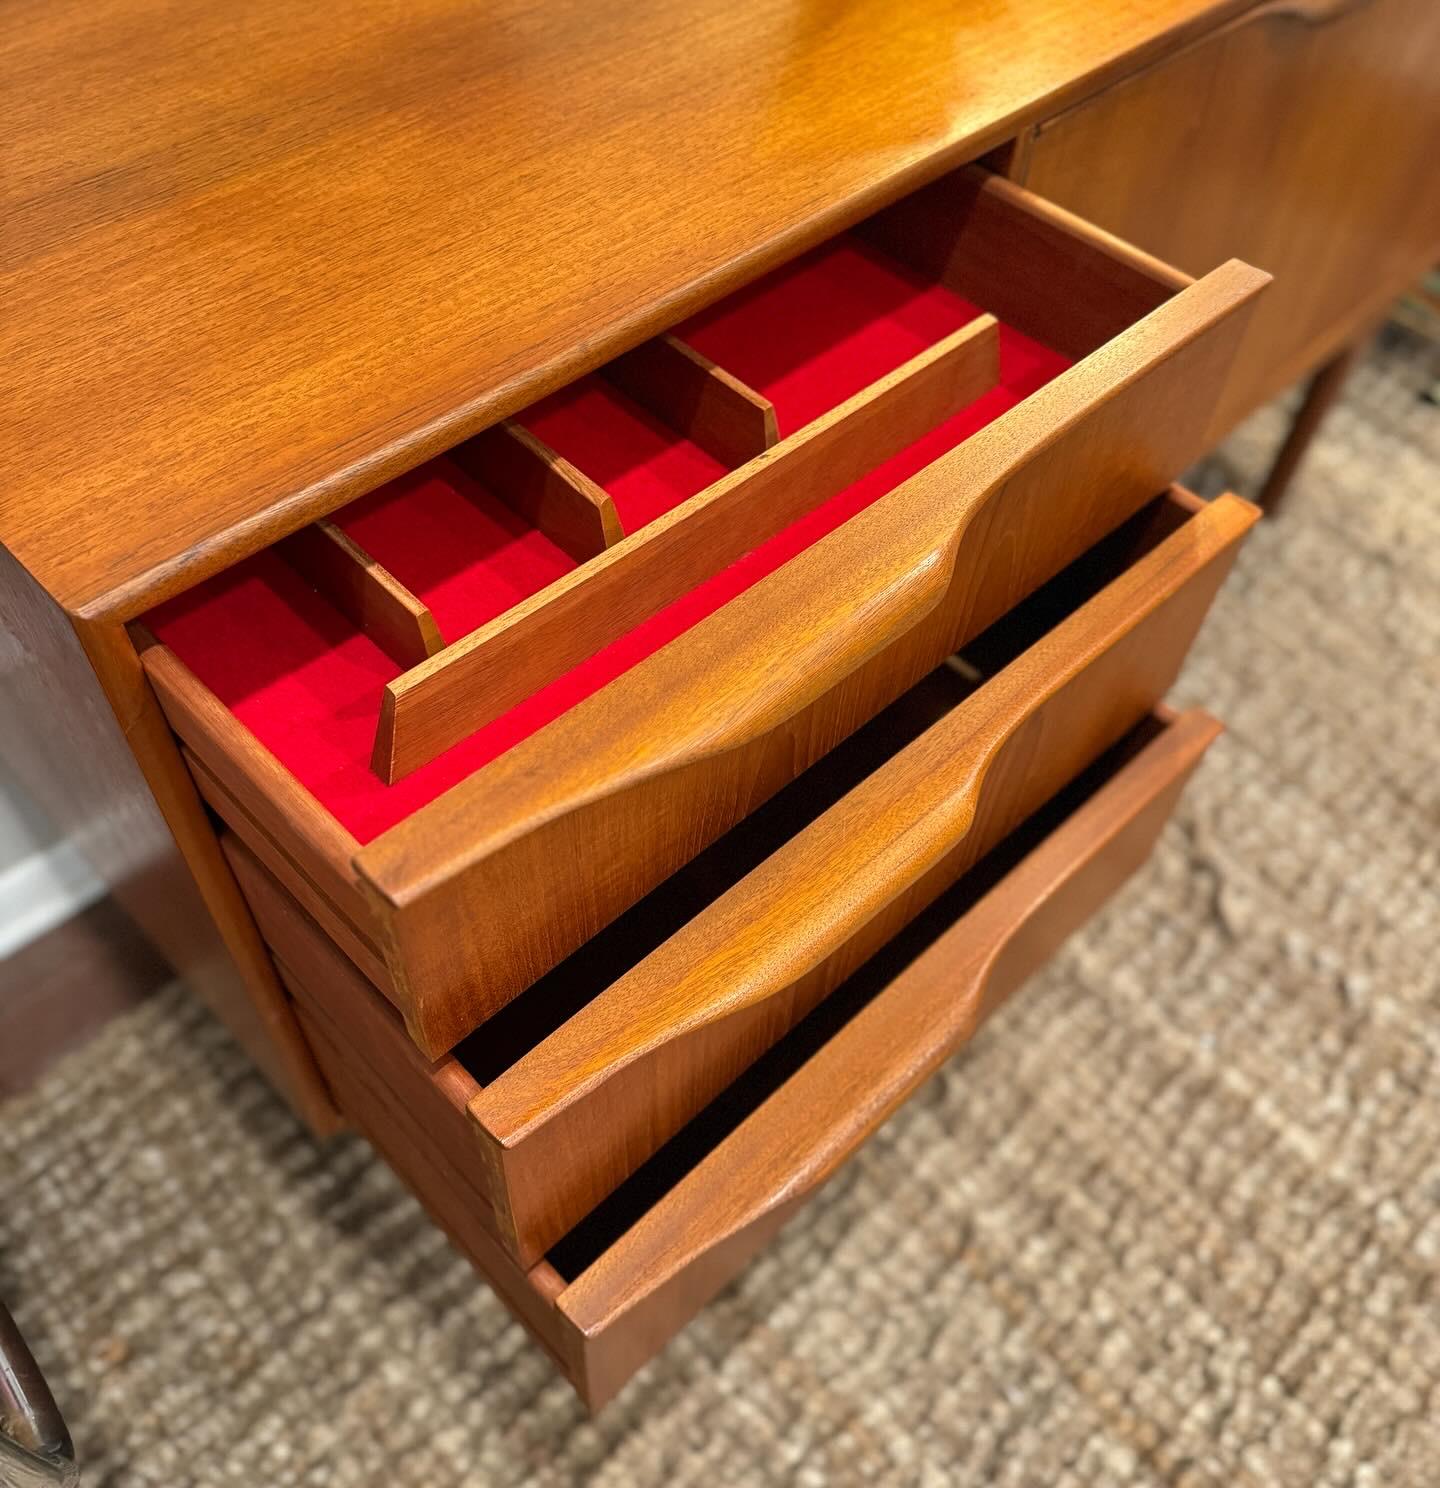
(259, 259)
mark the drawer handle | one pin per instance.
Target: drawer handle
(934, 562)
(924, 818)
(666, 1266)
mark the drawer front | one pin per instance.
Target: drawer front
(342, 1007)
(612, 1292)
(647, 1284)
(551, 1105)
(1306, 141)
(572, 1117)
(562, 833)
(818, 592)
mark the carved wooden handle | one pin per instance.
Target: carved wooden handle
(725, 1209)
(705, 729)
(845, 884)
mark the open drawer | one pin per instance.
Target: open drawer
(462, 824)
(552, 1103)
(611, 1293)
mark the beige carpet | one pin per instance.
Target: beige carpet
(1174, 1219)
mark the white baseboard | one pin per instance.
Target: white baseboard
(43, 891)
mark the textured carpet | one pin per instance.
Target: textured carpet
(1173, 1219)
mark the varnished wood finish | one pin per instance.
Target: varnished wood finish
(573, 1117)
(1026, 260)
(605, 1322)
(561, 1122)
(108, 773)
(668, 1265)
(395, 1133)
(368, 595)
(336, 916)
(1301, 136)
(567, 829)
(224, 331)
(362, 1041)
(1047, 272)
(435, 1094)
(543, 487)
(266, 797)
(654, 767)
(704, 402)
(474, 681)
(658, 764)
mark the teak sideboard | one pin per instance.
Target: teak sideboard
(602, 580)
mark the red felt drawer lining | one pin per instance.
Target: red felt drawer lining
(808, 336)
(644, 464)
(454, 545)
(295, 673)
(824, 326)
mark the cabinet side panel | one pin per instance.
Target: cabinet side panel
(85, 737)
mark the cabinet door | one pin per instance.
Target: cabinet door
(1304, 137)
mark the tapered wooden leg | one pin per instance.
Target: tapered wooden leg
(1325, 387)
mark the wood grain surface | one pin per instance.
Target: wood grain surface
(254, 266)
(398, 1134)
(578, 1113)
(659, 764)
(662, 762)
(707, 404)
(471, 683)
(259, 793)
(365, 592)
(1054, 277)
(600, 1323)
(583, 1079)
(1302, 137)
(348, 934)
(648, 1284)
(543, 487)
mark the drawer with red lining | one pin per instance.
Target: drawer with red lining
(463, 822)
